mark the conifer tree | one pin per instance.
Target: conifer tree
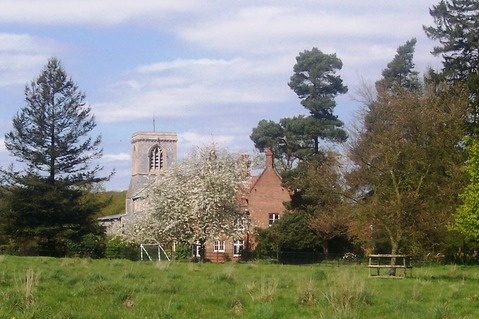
(48, 206)
(317, 85)
(400, 72)
(457, 30)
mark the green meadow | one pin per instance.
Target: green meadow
(40, 287)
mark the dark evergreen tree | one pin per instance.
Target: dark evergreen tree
(457, 30)
(315, 82)
(400, 72)
(317, 85)
(50, 134)
(47, 202)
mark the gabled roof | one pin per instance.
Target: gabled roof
(269, 167)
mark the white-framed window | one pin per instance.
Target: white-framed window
(219, 246)
(239, 223)
(238, 246)
(156, 159)
(272, 218)
(196, 249)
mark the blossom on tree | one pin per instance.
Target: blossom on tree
(196, 200)
(141, 228)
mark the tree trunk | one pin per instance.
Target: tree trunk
(394, 250)
(325, 246)
(202, 250)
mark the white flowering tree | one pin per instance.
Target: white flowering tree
(196, 200)
(141, 228)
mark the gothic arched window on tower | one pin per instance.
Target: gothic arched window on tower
(156, 159)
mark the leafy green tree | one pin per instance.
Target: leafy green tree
(290, 233)
(400, 71)
(407, 166)
(466, 217)
(48, 202)
(457, 30)
(320, 198)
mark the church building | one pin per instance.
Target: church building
(151, 154)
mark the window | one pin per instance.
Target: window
(219, 246)
(196, 249)
(238, 246)
(156, 159)
(239, 224)
(272, 218)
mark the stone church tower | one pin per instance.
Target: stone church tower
(152, 153)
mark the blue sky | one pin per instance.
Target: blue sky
(208, 70)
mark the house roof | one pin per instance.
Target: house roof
(269, 161)
(111, 217)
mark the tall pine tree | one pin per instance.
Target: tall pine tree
(457, 30)
(296, 142)
(48, 204)
(317, 84)
(400, 72)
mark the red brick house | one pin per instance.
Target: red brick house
(267, 195)
(264, 203)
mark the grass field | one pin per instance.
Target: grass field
(37, 287)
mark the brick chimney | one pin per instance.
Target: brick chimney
(269, 157)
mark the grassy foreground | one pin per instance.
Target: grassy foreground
(38, 287)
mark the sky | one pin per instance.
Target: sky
(208, 70)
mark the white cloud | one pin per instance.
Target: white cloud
(193, 87)
(105, 12)
(264, 40)
(184, 64)
(190, 139)
(20, 54)
(276, 28)
(120, 157)
(21, 43)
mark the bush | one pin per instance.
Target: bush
(91, 245)
(118, 249)
(183, 251)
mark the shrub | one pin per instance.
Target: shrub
(183, 251)
(91, 245)
(118, 249)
